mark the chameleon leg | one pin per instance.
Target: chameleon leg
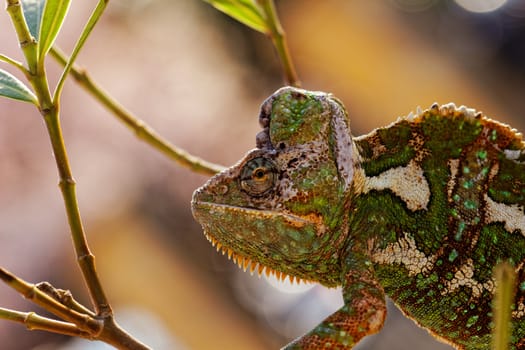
(363, 314)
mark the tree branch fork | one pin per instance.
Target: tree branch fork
(74, 319)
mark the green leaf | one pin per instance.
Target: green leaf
(13, 88)
(54, 13)
(33, 10)
(245, 11)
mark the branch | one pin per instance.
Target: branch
(50, 112)
(505, 277)
(29, 291)
(143, 131)
(81, 321)
(13, 62)
(85, 258)
(25, 39)
(93, 19)
(33, 321)
(278, 37)
(64, 297)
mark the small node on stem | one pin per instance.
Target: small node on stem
(12, 3)
(46, 111)
(27, 320)
(67, 183)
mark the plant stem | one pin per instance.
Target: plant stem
(64, 297)
(33, 321)
(50, 111)
(85, 258)
(29, 291)
(143, 131)
(79, 323)
(93, 19)
(113, 334)
(25, 39)
(101, 326)
(14, 63)
(278, 37)
(505, 282)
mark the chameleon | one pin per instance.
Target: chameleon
(420, 211)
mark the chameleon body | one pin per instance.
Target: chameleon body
(420, 211)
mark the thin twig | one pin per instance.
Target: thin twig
(92, 21)
(85, 258)
(13, 62)
(50, 113)
(505, 277)
(141, 129)
(278, 37)
(33, 322)
(31, 292)
(64, 297)
(79, 324)
(26, 41)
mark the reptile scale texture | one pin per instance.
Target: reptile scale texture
(420, 211)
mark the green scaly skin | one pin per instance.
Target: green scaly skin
(421, 211)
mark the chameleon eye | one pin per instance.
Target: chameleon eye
(258, 176)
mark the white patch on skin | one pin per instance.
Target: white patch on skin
(453, 165)
(407, 182)
(520, 311)
(510, 215)
(512, 154)
(405, 252)
(465, 277)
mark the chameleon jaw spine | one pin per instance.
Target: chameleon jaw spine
(245, 263)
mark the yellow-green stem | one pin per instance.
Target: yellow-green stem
(25, 39)
(31, 292)
(278, 37)
(13, 62)
(38, 79)
(505, 285)
(33, 321)
(85, 258)
(93, 19)
(103, 326)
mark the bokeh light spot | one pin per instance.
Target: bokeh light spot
(481, 6)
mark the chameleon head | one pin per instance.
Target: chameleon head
(283, 207)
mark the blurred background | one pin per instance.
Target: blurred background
(198, 77)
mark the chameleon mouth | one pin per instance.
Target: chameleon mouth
(297, 221)
(247, 264)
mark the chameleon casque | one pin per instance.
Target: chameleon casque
(419, 211)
